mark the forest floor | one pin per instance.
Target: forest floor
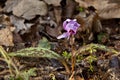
(30, 48)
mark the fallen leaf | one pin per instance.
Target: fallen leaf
(89, 25)
(32, 35)
(57, 12)
(28, 9)
(54, 32)
(6, 37)
(1, 9)
(52, 28)
(10, 4)
(20, 25)
(106, 9)
(68, 9)
(53, 2)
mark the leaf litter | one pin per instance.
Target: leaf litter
(29, 31)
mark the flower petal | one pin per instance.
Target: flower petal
(74, 19)
(66, 22)
(70, 26)
(64, 35)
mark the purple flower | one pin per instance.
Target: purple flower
(70, 26)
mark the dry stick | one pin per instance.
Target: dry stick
(8, 60)
(65, 65)
(72, 75)
(4, 72)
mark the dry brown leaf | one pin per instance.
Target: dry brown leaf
(20, 24)
(28, 9)
(1, 9)
(110, 13)
(89, 25)
(10, 4)
(6, 37)
(54, 32)
(68, 9)
(106, 9)
(53, 2)
(57, 12)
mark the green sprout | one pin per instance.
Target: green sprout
(102, 37)
(90, 60)
(66, 55)
(81, 9)
(52, 76)
(79, 58)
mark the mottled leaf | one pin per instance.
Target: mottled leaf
(36, 52)
(96, 47)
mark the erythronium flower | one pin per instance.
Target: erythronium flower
(70, 26)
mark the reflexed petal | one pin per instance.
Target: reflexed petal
(74, 19)
(66, 22)
(64, 35)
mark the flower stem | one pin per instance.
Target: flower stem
(73, 57)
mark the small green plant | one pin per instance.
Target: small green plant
(66, 55)
(24, 75)
(79, 58)
(102, 37)
(27, 73)
(81, 9)
(15, 73)
(52, 76)
(12, 67)
(92, 48)
(90, 60)
(44, 52)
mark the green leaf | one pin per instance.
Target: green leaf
(26, 74)
(81, 9)
(66, 55)
(102, 37)
(44, 43)
(95, 47)
(36, 52)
